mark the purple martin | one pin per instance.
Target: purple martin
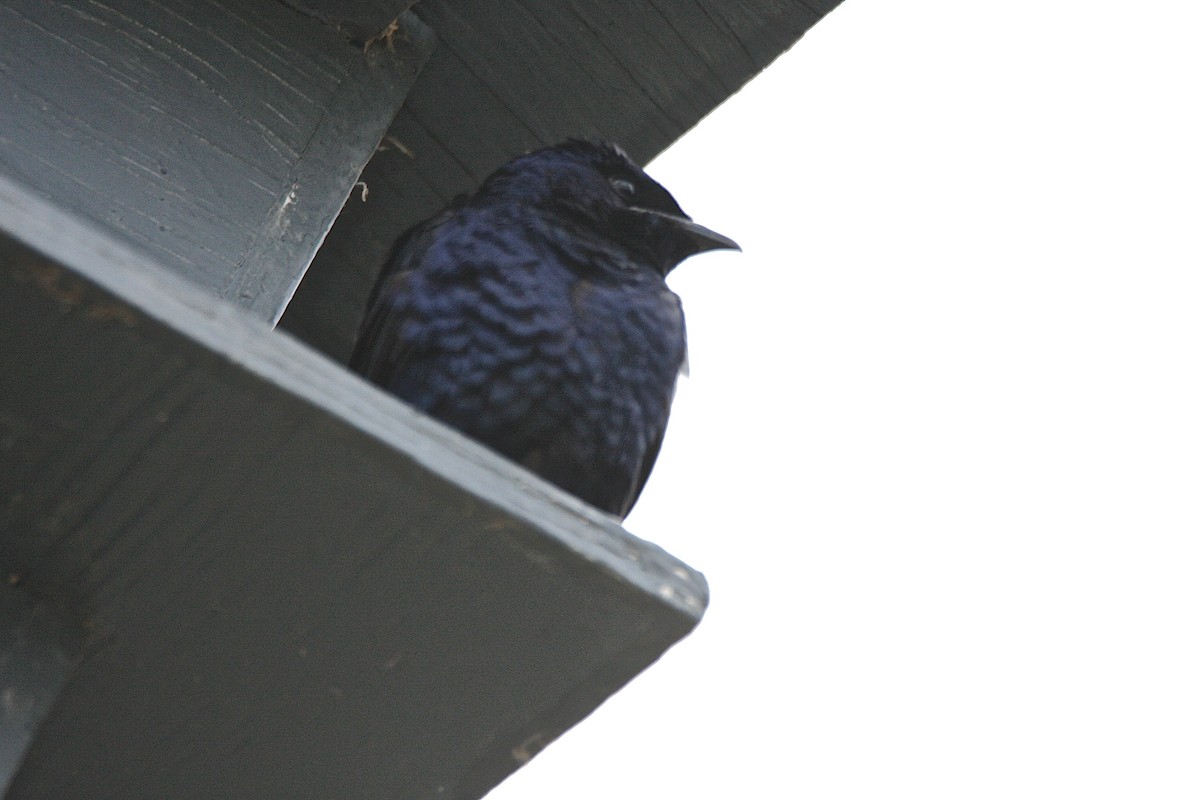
(534, 316)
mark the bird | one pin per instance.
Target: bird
(533, 315)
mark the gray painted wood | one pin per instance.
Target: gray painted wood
(508, 77)
(293, 585)
(220, 138)
(360, 20)
(37, 650)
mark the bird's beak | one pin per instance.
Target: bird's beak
(690, 237)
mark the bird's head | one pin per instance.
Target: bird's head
(596, 185)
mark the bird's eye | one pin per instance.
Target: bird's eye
(622, 187)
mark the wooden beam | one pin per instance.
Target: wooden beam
(220, 139)
(293, 585)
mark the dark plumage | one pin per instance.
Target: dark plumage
(534, 316)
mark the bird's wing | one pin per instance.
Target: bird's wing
(401, 253)
(379, 353)
(644, 469)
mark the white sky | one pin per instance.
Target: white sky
(939, 456)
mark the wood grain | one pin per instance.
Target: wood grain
(220, 138)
